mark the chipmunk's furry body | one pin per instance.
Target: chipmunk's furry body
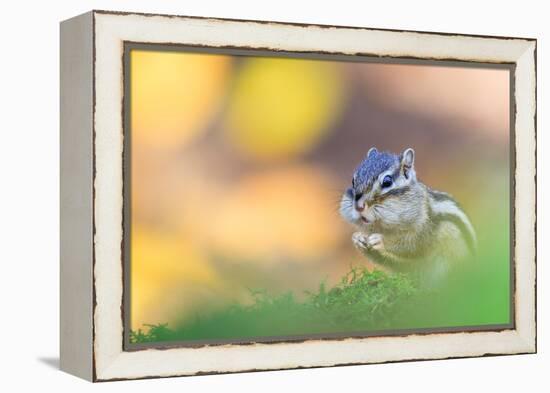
(403, 224)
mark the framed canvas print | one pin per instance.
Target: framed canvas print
(246, 195)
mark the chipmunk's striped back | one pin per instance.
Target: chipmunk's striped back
(443, 207)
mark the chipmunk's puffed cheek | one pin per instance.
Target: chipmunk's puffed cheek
(347, 211)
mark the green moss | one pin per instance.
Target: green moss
(361, 301)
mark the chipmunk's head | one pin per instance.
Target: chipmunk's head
(382, 191)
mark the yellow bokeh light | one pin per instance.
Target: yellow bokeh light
(283, 107)
(174, 95)
(160, 263)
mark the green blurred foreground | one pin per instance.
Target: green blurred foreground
(358, 301)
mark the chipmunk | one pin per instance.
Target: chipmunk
(403, 224)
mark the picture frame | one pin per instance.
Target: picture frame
(93, 246)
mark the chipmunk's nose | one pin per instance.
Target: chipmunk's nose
(359, 202)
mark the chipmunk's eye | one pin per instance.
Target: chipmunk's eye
(387, 181)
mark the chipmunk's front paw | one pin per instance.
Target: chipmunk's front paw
(359, 240)
(375, 241)
(364, 242)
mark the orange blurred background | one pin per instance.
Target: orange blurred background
(238, 164)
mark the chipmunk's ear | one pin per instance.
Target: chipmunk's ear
(407, 161)
(372, 151)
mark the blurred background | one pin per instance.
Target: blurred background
(238, 165)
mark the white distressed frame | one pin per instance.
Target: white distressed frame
(110, 31)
